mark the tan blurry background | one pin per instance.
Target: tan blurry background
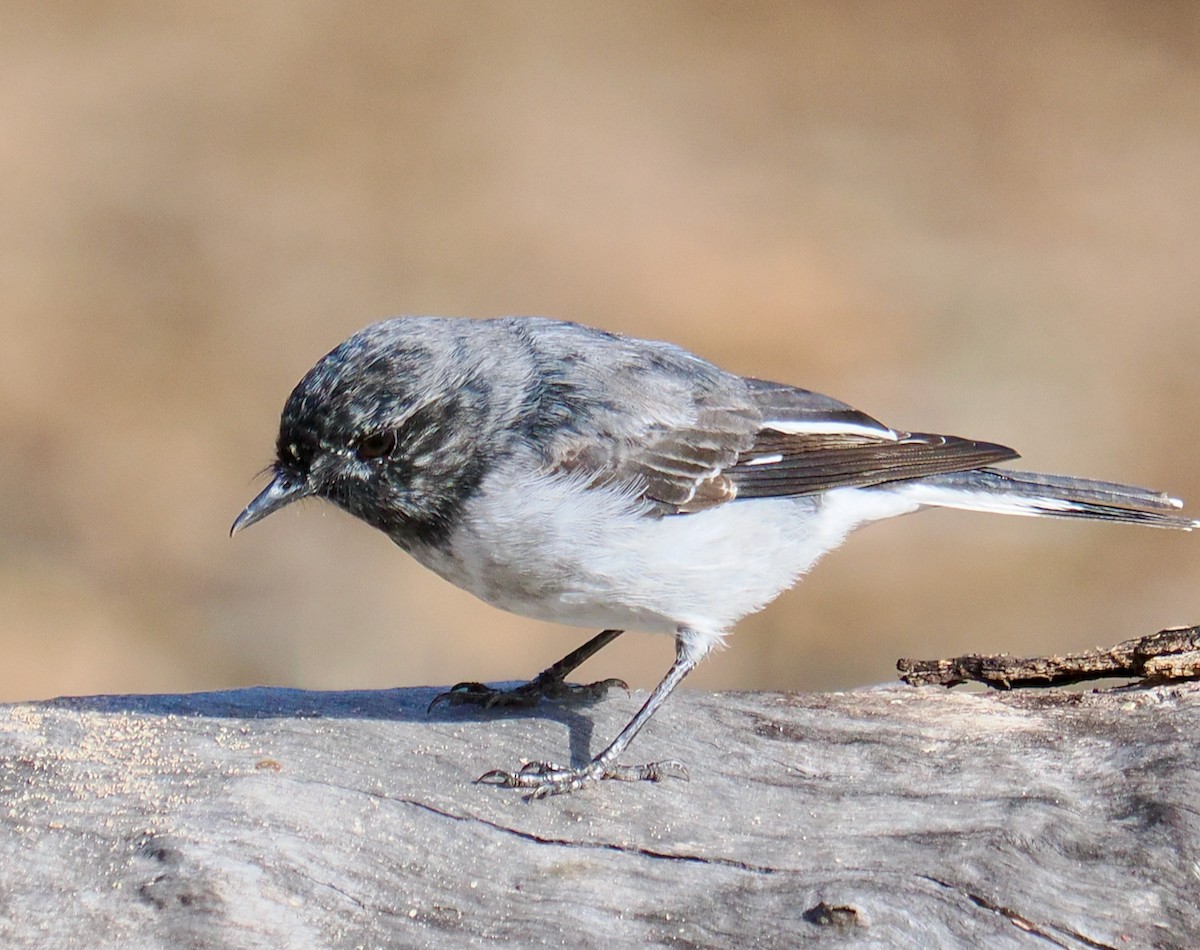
(981, 219)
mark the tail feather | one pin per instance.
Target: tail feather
(1087, 489)
(1048, 496)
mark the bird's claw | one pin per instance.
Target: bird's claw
(545, 778)
(527, 694)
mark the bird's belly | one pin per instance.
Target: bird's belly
(593, 558)
(555, 590)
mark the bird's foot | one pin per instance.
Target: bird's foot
(546, 778)
(527, 694)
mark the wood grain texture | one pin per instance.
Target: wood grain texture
(889, 817)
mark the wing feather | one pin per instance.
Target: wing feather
(804, 464)
(762, 440)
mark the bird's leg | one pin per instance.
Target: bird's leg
(549, 684)
(546, 778)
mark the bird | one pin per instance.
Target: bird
(585, 477)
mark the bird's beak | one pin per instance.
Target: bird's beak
(284, 489)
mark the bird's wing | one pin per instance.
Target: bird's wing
(676, 467)
(770, 441)
(811, 443)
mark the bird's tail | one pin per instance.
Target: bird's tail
(1048, 496)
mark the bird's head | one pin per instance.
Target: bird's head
(382, 427)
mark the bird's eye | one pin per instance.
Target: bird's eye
(376, 445)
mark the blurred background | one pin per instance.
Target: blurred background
(981, 219)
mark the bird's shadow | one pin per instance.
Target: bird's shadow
(403, 704)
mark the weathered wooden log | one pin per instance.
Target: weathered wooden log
(891, 817)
